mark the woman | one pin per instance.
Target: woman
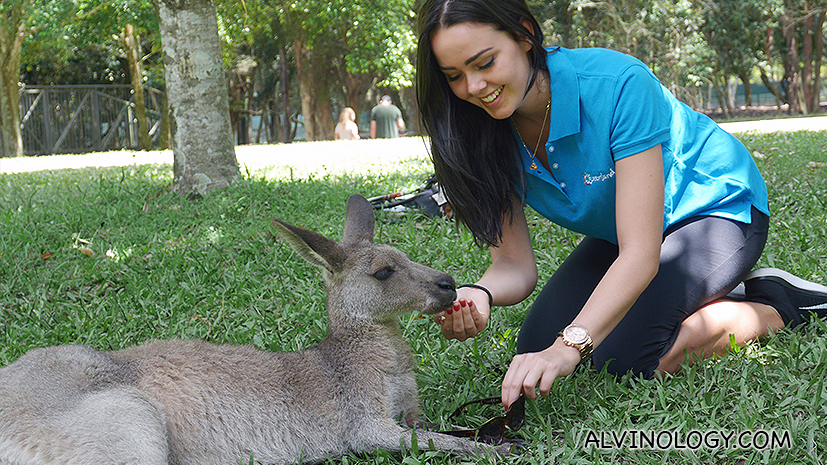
(346, 129)
(673, 208)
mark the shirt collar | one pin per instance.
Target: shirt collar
(565, 94)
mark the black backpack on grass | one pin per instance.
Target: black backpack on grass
(428, 198)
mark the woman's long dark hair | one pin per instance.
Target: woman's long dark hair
(476, 158)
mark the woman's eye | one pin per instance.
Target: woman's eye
(452, 78)
(383, 273)
(488, 64)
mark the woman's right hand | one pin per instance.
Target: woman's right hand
(465, 319)
(511, 278)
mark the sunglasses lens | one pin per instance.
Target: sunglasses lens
(516, 414)
(492, 431)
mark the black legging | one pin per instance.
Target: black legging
(702, 260)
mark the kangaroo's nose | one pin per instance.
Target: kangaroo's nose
(447, 283)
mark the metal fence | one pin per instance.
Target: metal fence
(84, 118)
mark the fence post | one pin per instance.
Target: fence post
(48, 127)
(96, 121)
(130, 124)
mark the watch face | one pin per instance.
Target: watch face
(576, 334)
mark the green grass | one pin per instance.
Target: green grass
(211, 269)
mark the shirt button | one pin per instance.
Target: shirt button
(562, 185)
(550, 148)
(555, 166)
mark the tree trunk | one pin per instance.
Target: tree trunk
(285, 95)
(722, 94)
(358, 85)
(202, 139)
(807, 58)
(10, 115)
(791, 74)
(745, 80)
(324, 119)
(11, 40)
(779, 99)
(731, 92)
(818, 54)
(132, 47)
(265, 115)
(412, 120)
(305, 89)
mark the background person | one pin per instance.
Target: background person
(386, 120)
(346, 129)
(673, 208)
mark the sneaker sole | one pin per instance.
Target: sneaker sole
(793, 281)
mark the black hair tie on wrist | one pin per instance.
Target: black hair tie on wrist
(477, 286)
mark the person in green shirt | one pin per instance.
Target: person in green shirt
(386, 120)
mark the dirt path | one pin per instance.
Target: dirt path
(814, 123)
(297, 159)
(331, 157)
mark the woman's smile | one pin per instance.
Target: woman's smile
(492, 96)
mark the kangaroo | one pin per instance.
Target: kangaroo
(191, 402)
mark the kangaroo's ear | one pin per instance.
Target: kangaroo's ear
(359, 221)
(313, 247)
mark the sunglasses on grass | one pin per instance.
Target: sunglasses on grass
(493, 430)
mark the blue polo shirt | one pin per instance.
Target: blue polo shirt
(606, 106)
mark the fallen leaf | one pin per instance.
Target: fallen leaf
(46, 255)
(86, 251)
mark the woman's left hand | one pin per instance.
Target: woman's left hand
(538, 370)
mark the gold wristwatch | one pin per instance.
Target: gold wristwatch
(577, 336)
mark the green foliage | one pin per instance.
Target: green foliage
(337, 51)
(735, 32)
(23, 18)
(212, 269)
(77, 42)
(381, 40)
(353, 47)
(663, 35)
(688, 43)
(370, 36)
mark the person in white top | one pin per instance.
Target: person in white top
(347, 128)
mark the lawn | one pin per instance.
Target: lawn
(109, 257)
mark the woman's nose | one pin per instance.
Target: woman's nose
(476, 84)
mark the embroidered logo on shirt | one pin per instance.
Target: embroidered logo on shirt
(589, 179)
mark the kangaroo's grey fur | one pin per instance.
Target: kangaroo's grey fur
(190, 402)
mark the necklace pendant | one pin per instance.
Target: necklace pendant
(533, 166)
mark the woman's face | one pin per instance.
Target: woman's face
(484, 66)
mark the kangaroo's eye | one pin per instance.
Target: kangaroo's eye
(383, 273)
